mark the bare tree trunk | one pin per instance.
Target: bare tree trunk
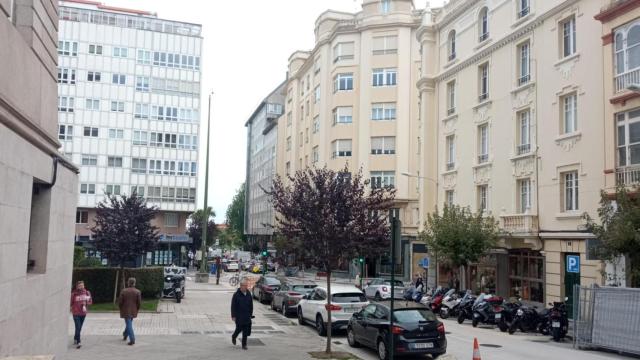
(328, 350)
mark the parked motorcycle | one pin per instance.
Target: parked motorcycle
(465, 311)
(450, 304)
(555, 321)
(174, 286)
(526, 319)
(438, 297)
(486, 310)
(508, 313)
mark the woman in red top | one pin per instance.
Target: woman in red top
(80, 299)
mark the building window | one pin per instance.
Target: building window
(569, 113)
(169, 168)
(523, 8)
(65, 103)
(316, 94)
(144, 57)
(112, 190)
(482, 197)
(383, 145)
(90, 131)
(316, 124)
(451, 45)
(117, 106)
(288, 168)
(569, 191)
(68, 48)
(483, 82)
(524, 195)
(451, 152)
(114, 161)
(385, 45)
(92, 104)
(483, 143)
(138, 166)
(89, 160)
(316, 154)
(343, 82)
(526, 275)
(385, 77)
(316, 66)
(385, 6)
(82, 217)
(627, 55)
(524, 132)
(142, 83)
(383, 111)
(380, 179)
(343, 51)
(288, 143)
(140, 138)
(451, 97)
(343, 115)
(66, 76)
(449, 197)
(137, 191)
(524, 73)
(171, 220)
(141, 111)
(89, 189)
(171, 141)
(119, 79)
(628, 138)
(155, 167)
(120, 52)
(116, 134)
(568, 40)
(95, 49)
(94, 76)
(483, 25)
(341, 148)
(65, 132)
(306, 113)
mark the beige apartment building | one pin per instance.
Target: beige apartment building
(352, 101)
(38, 187)
(512, 122)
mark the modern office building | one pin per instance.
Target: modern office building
(129, 113)
(38, 188)
(352, 101)
(262, 136)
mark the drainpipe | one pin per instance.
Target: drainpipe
(54, 177)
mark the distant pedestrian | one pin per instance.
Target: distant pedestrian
(357, 280)
(129, 304)
(419, 282)
(242, 313)
(80, 300)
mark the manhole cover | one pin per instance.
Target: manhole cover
(491, 345)
(540, 341)
(213, 332)
(191, 333)
(261, 327)
(254, 342)
(337, 342)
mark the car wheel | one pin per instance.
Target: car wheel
(378, 297)
(320, 328)
(351, 338)
(383, 354)
(300, 317)
(444, 313)
(284, 310)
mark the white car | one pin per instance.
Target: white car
(380, 289)
(345, 300)
(232, 266)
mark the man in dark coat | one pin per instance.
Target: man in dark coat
(242, 313)
(129, 304)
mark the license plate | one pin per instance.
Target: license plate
(423, 345)
(498, 316)
(555, 324)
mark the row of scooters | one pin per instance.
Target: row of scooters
(507, 315)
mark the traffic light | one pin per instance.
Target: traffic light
(264, 252)
(361, 259)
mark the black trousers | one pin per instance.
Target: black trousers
(246, 331)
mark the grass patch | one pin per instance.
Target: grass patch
(148, 305)
(334, 355)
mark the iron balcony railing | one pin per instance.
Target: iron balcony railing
(622, 81)
(628, 176)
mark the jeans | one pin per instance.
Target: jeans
(78, 320)
(128, 330)
(246, 331)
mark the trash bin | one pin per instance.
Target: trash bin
(213, 269)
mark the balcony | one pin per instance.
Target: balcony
(519, 224)
(483, 37)
(452, 56)
(524, 12)
(483, 158)
(524, 79)
(483, 97)
(524, 149)
(628, 176)
(622, 81)
(451, 111)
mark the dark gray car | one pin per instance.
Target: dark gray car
(290, 293)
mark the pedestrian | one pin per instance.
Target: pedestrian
(419, 282)
(357, 280)
(242, 313)
(80, 300)
(129, 304)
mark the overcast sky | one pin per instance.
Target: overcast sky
(246, 44)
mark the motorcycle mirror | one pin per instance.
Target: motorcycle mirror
(566, 298)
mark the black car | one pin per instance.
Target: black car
(416, 330)
(265, 287)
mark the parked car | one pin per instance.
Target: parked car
(345, 300)
(416, 330)
(232, 265)
(287, 298)
(380, 289)
(265, 287)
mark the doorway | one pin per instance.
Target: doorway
(571, 278)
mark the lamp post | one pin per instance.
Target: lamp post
(203, 275)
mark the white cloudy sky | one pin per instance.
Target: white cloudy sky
(245, 51)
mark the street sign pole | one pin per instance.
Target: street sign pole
(395, 238)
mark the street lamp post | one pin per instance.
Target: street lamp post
(203, 275)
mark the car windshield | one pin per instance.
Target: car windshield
(348, 298)
(303, 288)
(397, 282)
(272, 281)
(413, 315)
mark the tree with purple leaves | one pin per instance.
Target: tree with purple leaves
(331, 216)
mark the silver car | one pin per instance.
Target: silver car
(380, 289)
(286, 299)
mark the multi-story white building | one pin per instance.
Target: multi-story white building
(129, 112)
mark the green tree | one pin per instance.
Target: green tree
(619, 230)
(229, 239)
(458, 236)
(194, 228)
(235, 215)
(78, 255)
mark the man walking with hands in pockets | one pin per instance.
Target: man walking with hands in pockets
(129, 303)
(242, 313)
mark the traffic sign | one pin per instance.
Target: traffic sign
(573, 263)
(424, 263)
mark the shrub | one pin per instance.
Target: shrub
(89, 262)
(101, 280)
(78, 255)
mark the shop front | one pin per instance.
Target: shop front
(171, 249)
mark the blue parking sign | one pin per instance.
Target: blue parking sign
(573, 263)
(424, 263)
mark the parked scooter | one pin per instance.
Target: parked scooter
(508, 313)
(450, 304)
(465, 311)
(438, 297)
(486, 310)
(174, 286)
(526, 319)
(555, 321)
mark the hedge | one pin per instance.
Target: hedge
(101, 280)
